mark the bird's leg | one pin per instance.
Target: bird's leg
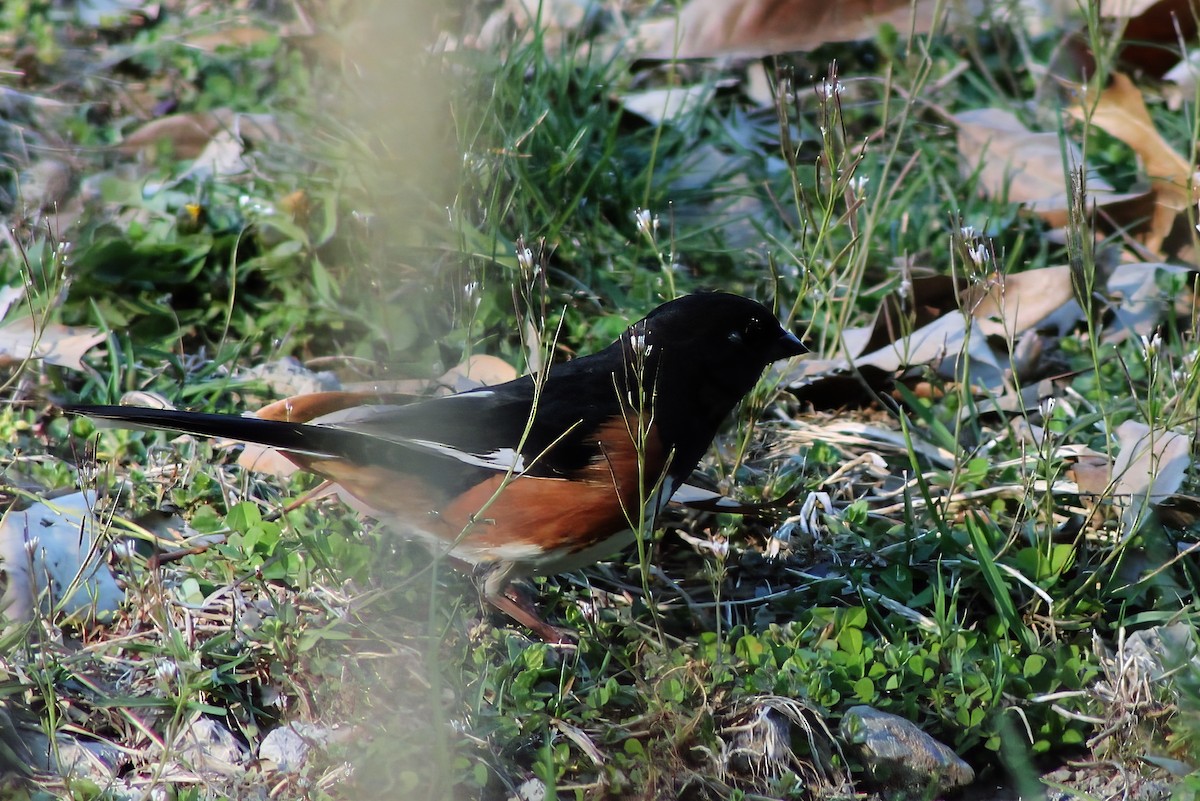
(495, 585)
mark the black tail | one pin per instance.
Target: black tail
(311, 440)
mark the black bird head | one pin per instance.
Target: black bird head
(697, 356)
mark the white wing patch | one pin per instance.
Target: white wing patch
(502, 459)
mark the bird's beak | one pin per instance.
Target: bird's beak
(786, 347)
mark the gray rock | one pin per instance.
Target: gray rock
(288, 748)
(46, 184)
(73, 758)
(288, 377)
(208, 747)
(1162, 649)
(47, 561)
(900, 756)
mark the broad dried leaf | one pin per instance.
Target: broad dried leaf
(1140, 303)
(224, 156)
(1152, 31)
(668, 103)
(1026, 166)
(551, 20)
(46, 184)
(51, 560)
(8, 296)
(113, 13)
(755, 28)
(947, 345)
(1013, 304)
(232, 37)
(190, 134)
(479, 370)
(1120, 111)
(53, 343)
(1180, 81)
(1151, 464)
(1123, 9)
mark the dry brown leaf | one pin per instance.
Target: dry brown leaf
(479, 370)
(1120, 111)
(240, 36)
(1151, 464)
(707, 28)
(190, 134)
(551, 20)
(1091, 474)
(1026, 166)
(8, 296)
(1123, 9)
(52, 556)
(1013, 304)
(46, 184)
(53, 343)
(1139, 303)
(1152, 31)
(668, 103)
(1180, 81)
(998, 336)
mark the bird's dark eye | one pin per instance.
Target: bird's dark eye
(752, 328)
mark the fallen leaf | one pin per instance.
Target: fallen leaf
(668, 103)
(52, 343)
(222, 157)
(1123, 9)
(1027, 167)
(189, 134)
(479, 370)
(706, 28)
(8, 296)
(551, 20)
(1139, 302)
(1180, 81)
(1150, 466)
(231, 37)
(1152, 31)
(51, 560)
(1120, 111)
(1012, 304)
(46, 184)
(113, 13)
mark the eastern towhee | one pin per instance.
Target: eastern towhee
(539, 475)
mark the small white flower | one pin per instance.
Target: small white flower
(471, 294)
(905, 289)
(124, 549)
(637, 341)
(646, 222)
(525, 259)
(858, 184)
(968, 232)
(166, 671)
(828, 89)
(1151, 345)
(979, 254)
